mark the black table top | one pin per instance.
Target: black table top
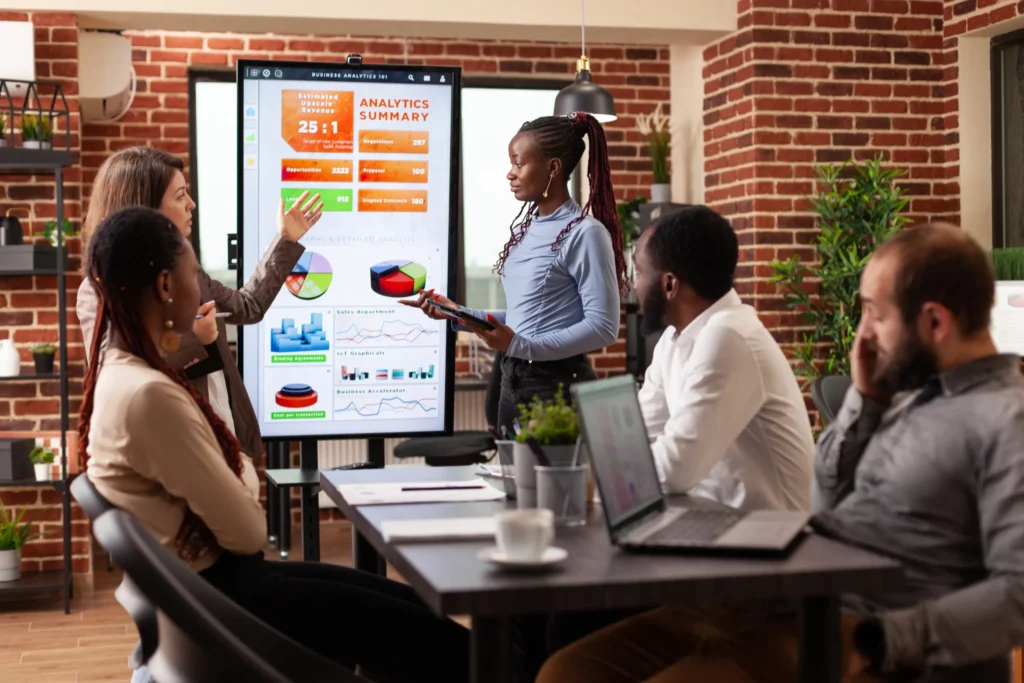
(449, 577)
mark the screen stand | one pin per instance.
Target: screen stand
(309, 507)
(364, 556)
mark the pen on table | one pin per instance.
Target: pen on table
(222, 314)
(441, 488)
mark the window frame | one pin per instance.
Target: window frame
(499, 83)
(996, 58)
(202, 74)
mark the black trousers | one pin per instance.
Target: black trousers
(349, 616)
(522, 380)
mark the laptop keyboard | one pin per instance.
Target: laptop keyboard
(696, 527)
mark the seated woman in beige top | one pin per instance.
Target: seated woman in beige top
(155, 448)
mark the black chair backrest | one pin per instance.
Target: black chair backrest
(209, 619)
(127, 594)
(90, 500)
(828, 394)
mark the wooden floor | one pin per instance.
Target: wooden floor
(40, 644)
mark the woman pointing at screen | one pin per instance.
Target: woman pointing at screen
(149, 177)
(562, 268)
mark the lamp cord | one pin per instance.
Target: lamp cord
(583, 25)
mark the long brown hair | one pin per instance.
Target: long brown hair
(129, 249)
(561, 137)
(136, 176)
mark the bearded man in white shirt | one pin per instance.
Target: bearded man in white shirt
(723, 409)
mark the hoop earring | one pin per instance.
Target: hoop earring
(170, 341)
(545, 194)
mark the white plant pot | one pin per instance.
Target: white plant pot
(44, 471)
(10, 361)
(661, 193)
(3, 142)
(37, 144)
(10, 565)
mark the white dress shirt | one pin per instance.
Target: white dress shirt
(725, 413)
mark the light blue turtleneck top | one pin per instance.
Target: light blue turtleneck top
(565, 302)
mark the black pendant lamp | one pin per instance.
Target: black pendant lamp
(584, 94)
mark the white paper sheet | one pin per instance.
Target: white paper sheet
(444, 529)
(419, 492)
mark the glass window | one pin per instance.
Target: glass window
(1008, 141)
(490, 117)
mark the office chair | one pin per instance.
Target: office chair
(205, 637)
(464, 447)
(828, 394)
(127, 594)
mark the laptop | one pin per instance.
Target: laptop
(635, 509)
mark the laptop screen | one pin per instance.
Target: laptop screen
(620, 452)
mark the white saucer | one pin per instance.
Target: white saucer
(550, 558)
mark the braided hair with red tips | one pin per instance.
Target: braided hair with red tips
(561, 137)
(127, 252)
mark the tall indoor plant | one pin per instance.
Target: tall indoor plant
(655, 129)
(858, 206)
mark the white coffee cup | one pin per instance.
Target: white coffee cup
(524, 535)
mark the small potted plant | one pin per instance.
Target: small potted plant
(553, 424)
(50, 231)
(3, 129)
(42, 459)
(14, 533)
(36, 131)
(43, 354)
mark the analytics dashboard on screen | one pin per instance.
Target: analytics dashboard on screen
(336, 354)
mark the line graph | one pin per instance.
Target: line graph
(386, 406)
(391, 332)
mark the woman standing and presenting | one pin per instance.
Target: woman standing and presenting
(149, 177)
(562, 268)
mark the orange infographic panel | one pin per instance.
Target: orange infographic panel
(319, 170)
(383, 171)
(393, 200)
(317, 120)
(394, 141)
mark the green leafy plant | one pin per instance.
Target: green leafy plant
(1008, 263)
(50, 229)
(30, 127)
(42, 455)
(655, 128)
(14, 533)
(37, 127)
(552, 423)
(3, 125)
(858, 207)
(629, 219)
(43, 349)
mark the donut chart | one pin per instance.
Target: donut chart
(310, 277)
(296, 396)
(397, 278)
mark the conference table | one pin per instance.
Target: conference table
(451, 580)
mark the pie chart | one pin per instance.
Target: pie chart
(397, 278)
(310, 277)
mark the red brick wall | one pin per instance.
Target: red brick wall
(809, 82)
(637, 76)
(28, 305)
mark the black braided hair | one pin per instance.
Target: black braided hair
(126, 252)
(561, 137)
